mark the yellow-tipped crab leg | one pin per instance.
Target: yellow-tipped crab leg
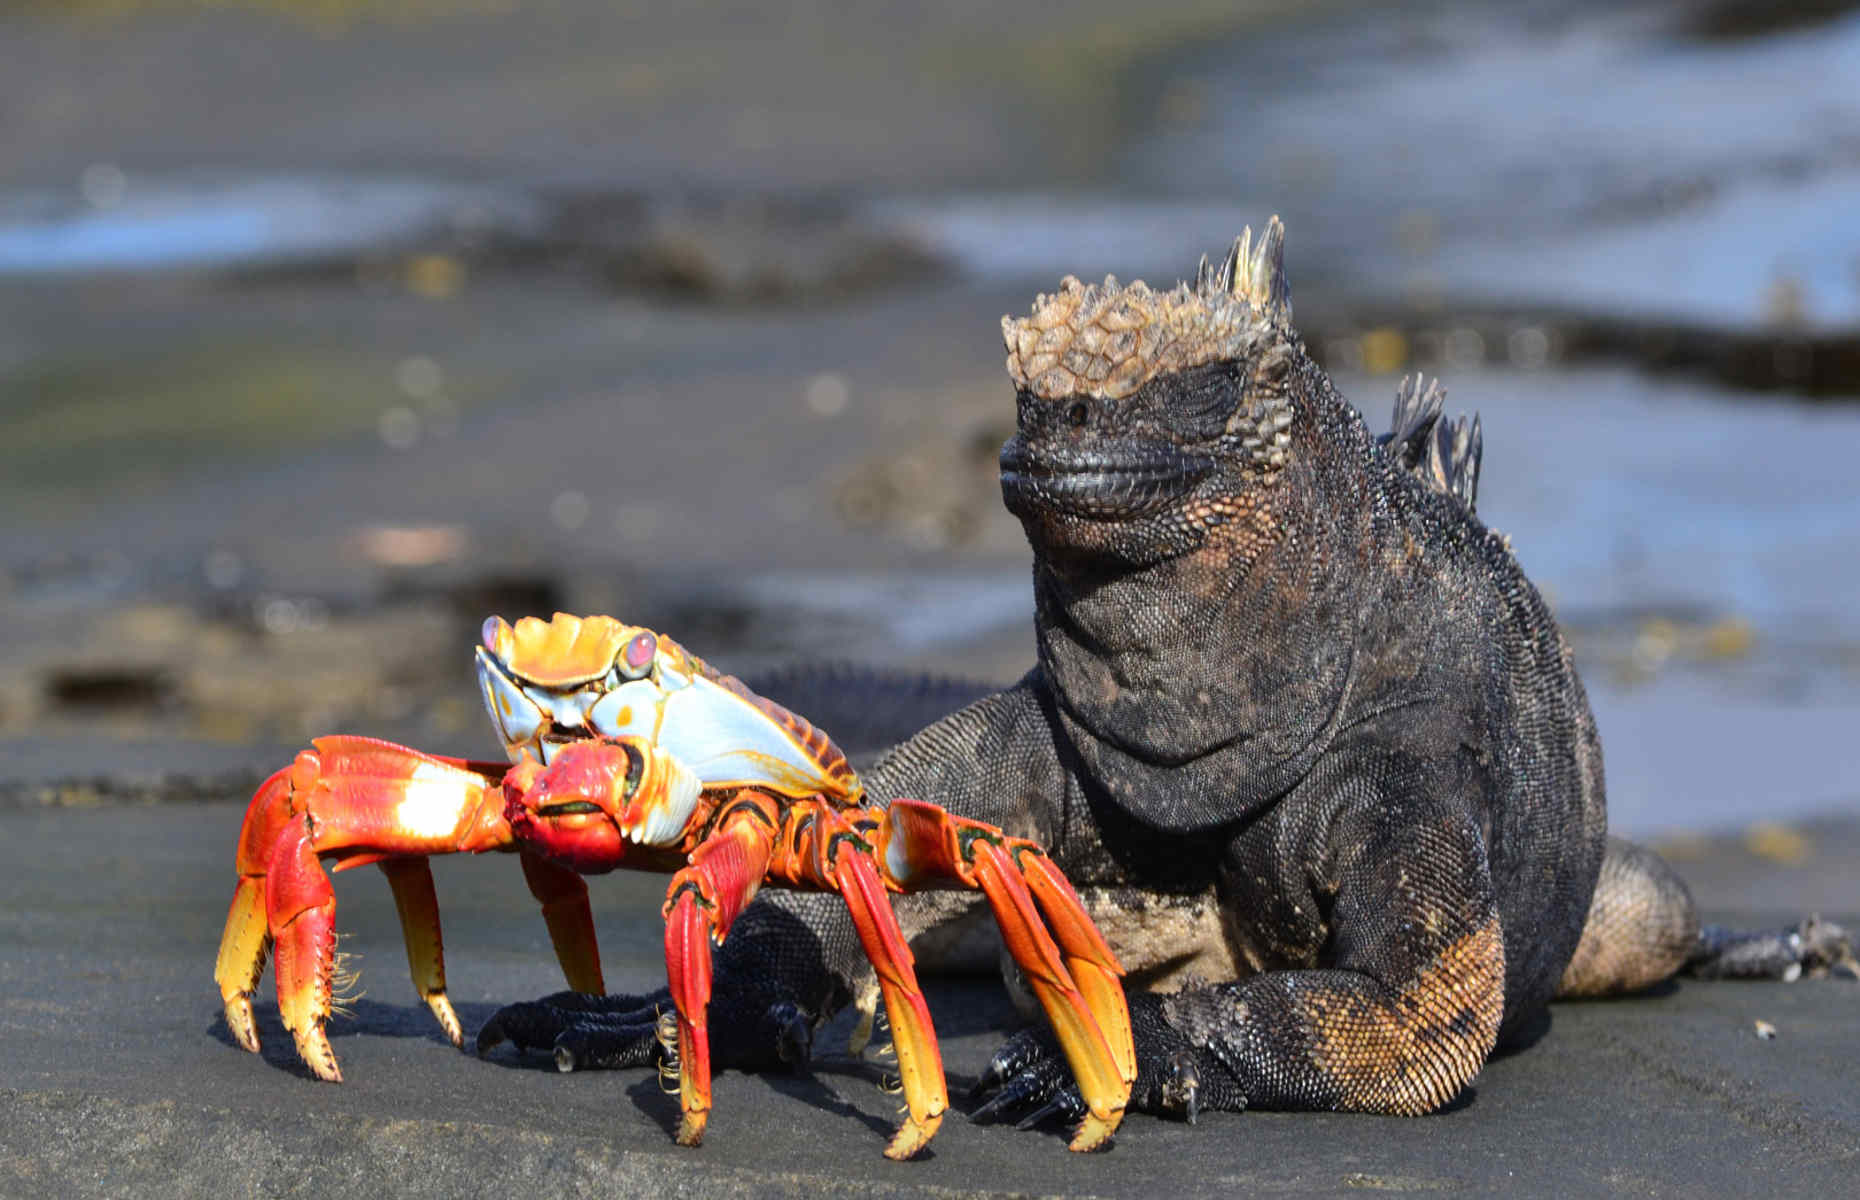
(300, 910)
(1087, 954)
(245, 943)
(1076, 978)
(1087, 1049)
(819, 848)
(920, 1059)
(412, 882)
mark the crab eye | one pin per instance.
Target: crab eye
(497, 637)
(635, 769)
(637, 658)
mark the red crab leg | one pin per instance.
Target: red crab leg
(357, 800)
(701, 904)
(300, 908)
(1075, 977)
(563, 895)
(246, 940)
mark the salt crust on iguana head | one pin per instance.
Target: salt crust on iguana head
(1107, 340)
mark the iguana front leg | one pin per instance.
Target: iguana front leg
(1404, 992)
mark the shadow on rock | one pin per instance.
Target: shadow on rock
(357, 1018)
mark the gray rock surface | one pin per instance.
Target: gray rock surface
(117, 1075)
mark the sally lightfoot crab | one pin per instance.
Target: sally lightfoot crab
(627, 751)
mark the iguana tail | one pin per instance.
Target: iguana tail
(1642, 928)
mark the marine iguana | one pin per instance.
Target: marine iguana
(1307, 742)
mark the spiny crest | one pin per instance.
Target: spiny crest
(1445, 455)
(1107, 340)
(1255, 274)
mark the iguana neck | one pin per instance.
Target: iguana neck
(1199, 686)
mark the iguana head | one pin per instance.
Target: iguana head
(1148, 418)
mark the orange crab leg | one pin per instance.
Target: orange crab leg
(702, 902)
(1075, 978)
(920, 1060)
(1094, 1067)
(1087, 954)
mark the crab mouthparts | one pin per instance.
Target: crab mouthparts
(659, 814)
(567, 808)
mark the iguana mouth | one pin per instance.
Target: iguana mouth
(1103, 482)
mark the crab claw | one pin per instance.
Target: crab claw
(356, 801)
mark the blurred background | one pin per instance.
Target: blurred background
(327, 328)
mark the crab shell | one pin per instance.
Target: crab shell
(550, 683)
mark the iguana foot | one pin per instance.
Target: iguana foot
(1027, 1080)
(600, 1033)
(1814, 948)
(583, 1032)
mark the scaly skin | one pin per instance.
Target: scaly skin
(1301, 733)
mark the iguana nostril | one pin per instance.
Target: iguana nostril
(1077, 414)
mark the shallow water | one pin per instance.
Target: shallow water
(1594, 158)
(228, 220)
(1590, 157)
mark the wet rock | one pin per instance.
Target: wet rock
(114, 687)
(738, 250)
(1735, 19)
(128, 789)
(941, 491)
(1821, 363)
(432, 238)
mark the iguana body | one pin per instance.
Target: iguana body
(1305, 739)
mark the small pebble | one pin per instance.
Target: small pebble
(1765, 1031)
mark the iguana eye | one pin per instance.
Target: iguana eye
(1200, 400)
